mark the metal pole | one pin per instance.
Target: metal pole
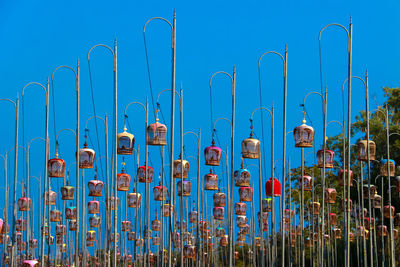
(15, 180)
(77, 165)
(198, 200)
(349, 143)
(303, 256)
(323, 181)
(232, 153)
(284, 150)
(368, 168)
(172, 132)
(83, 219)
(393, 255)
(107, 224)
(115, 151)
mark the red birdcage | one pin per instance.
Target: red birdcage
(123, 180)
(303, 135)
(24, 204)
(211, 181)
(156, 134)
(329, 158)
(242, 177)
(187, 188)
(219, 213)
(212, 154)
(160, 192)
(277, 187)
(94, 221)
(246, 194)
(240, 208)
(70, 213)
(308, 182)
(95, 188)
(241, 220)
(141, 174)
(55, 215)
(86, 157)
(219, 199)
(56, 167)
(94, 207)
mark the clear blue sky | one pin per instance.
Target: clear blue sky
(211, 36)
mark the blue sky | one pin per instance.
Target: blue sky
(211, 36)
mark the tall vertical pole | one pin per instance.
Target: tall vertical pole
(273, 224)
(182, 169)
(284, 150)
(349, 143)
(147, 207)
(262, 258)
(322, 258)
(115, 155)
(5, 211)
(107, 224)
(77, 167)
(368, 169)
(171, 166)
(15, 181)
(198, 200)
(232, 160)
(83, 219)
(27, 196)
(303, 255)
(393, 255)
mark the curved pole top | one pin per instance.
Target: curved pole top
(311, 93)
(377, 109)
(190, 132)
(9, 151)
(270, 52)
(331, 25)
(100, 45)
(158, 96)
(4, 156)
(193, 157)
(36, 138)
(134, 102)
(9, 100)
(263, 108)
(225, 119)
(34, 83)
(394, 134)
(64, 130)
(378, 177)
(252, 165)
(220, 72)
(98, 117)
(357, 77)
(32, 176)
(335, 121)
(66, 67)
(157, 18)
(289, 132)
